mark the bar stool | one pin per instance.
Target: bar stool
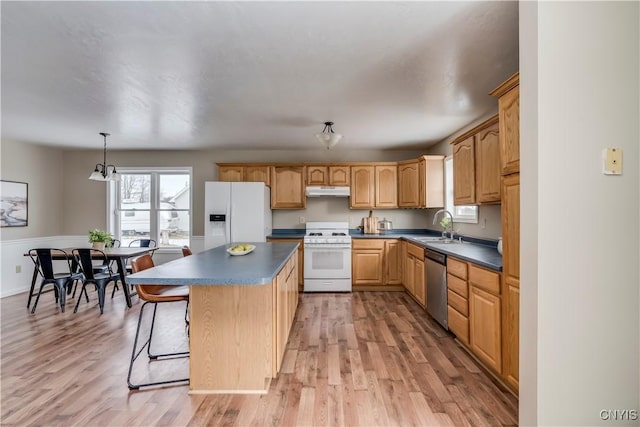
(154, 295)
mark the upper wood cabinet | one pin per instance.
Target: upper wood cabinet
(374, 186)
(288, 187)
(464, 171)
(408, 184)
(244, 173)
(421, 182)
(508, 94)
(337, 176)
(476, 165)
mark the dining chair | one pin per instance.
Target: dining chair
(140, 243)
(62, 281)
(85, 258)
(154, 295)
(103, 268)
(186, 251)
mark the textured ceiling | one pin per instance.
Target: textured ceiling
(182, 75)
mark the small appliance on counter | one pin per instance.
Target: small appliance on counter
(385, 225)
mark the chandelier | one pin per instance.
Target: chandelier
(103, 171)
(328, 137)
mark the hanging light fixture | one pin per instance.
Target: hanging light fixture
(328, 137)
(103, 171)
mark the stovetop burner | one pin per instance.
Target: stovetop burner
(315, 234)
(338, 234)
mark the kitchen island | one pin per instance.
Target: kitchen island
(241, 309)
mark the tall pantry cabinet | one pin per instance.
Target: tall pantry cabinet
(508, 94)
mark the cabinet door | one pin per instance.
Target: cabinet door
(511, 336)
(509, 112)
(230, 173)
(409, 279)
(362, 187)
(282, 316)
(409, 185)
(464, 185)
(386, 185)
(300, 255)
(367, 266)
(339, 176)
(317, 175)
(484, 327)
(257, 174)
(511, 229)
(488, 165)
(288, 187)
(392, 262)
(419, 282)
(431, 172)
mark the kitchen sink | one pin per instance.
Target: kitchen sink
(436, 240)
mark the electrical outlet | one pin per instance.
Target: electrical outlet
(301, 220)
(18, 268)
(612, 161)
(483, 223)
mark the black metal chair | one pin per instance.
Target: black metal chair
(85, 258)
(154, 294)
(43, 260)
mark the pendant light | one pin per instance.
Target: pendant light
(103, 171)
(328, 137)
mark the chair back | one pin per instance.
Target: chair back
(115, 243)
(85, 258)
(143, 243)
(43, 260)
(186, 251)
(146, 292)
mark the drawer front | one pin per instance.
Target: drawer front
(416, 251)
(459, 303)
(484, 279)
(457, 268)
(457, 285)
(367, 243)
(458, 324)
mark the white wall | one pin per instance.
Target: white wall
(586, 353)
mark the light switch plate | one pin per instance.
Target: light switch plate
(612, 161)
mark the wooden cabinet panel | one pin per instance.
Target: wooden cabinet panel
(488, 165)
(409, 280)
(300, 262)
(458, 324)
(508, 94)
(230, 173)
(511, 336)
(420, 290)
(288, 187)
(511, 229)
(339, 176)
(431, 171)
(409, 185)
(317, 175)
(362, 187)
(392, 260)
(386, 186)
(257, 174)
(367, 266)
(457, 285)
(464, 187)
(485, 279)
(457, 268)
(484, 327)
(413, 278)
(459, 303)
(415, 250)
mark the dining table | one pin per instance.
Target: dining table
(119, 255)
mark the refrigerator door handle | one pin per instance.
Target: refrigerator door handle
(227, 223)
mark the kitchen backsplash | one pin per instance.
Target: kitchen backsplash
(337, 209)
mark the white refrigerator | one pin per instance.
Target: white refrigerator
(238, 212)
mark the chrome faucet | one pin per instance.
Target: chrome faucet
(444, 211)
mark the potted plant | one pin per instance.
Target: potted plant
(99, 238)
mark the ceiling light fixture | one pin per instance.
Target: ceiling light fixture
(103, 171)
(328, 137)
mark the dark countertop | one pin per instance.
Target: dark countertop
(216, 267)
(478, 251)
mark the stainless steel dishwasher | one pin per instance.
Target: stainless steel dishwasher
(435, 273)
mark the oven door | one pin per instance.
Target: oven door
(327, 261)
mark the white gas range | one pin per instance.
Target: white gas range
(327, 257)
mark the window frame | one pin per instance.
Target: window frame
(113, 201)
(448, 196)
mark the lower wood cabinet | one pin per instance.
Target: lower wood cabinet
(392, 262)
(286, 303)
(376, 262)
(300, 266)
(484, 327)
(413, 280)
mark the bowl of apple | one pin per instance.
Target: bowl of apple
(241, 249)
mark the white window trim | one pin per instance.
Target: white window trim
(448, 196)
(112, 202)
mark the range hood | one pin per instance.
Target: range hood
(317, 191)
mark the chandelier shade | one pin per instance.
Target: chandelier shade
(104, 171)
(328, 137)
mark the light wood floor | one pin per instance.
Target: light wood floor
(361, 359)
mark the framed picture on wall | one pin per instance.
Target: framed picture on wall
(13, 204)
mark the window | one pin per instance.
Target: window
(462, 213)
(152, 203)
